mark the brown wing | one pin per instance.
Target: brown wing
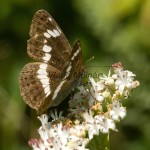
(48, 43)
(45, 84)
(37, 81)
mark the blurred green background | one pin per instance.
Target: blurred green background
(110, 30)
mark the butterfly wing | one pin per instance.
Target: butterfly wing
(48, 43)
(36, 83)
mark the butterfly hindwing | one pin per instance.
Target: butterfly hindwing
(37, 81)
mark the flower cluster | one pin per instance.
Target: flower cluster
(94, 109)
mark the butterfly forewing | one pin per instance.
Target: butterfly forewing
(46, 83)
(48, 43)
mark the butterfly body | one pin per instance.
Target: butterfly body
(48, 82)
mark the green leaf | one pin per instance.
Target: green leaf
(99, 142)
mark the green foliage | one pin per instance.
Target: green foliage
(99, 142)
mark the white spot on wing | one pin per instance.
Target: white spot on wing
(45, 81)
(42, 72)
(68, 71)
(44, 85)
(36, 35)
(45, 41)
(50, 19)
(58, 89)
(46, 89)
(75, 54)
(51, 33)
(54, 33)
(47, 35)
(43, 66)
(48, 93)
(59, 30)
(42, 75)
(47, 48)
(46, 57)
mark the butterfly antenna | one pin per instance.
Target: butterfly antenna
(90, 59)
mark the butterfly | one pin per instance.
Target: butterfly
(58, 67)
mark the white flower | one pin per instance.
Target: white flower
(96, 123)
(108, 79)
(78, 130)
(96, 90)
(117, 112)
(37, 144)
(105, 123)
(44, 119)
(93, 109)
(44, 132)
(90, 124)
(62, 133)
(61, 137)
(79, 97)
(124, 81)
(56, 116)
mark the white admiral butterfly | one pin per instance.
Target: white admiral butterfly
(49, 81)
